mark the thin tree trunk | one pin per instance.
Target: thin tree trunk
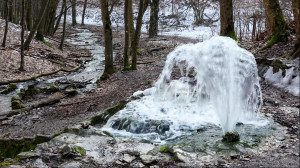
(59, 18)
(29, 18)
(61, 46)
(126, 46)
(130, 21)
(153, 28)
(109, 68)
(36, 25)
(135, 41)
(83, 13)
(276, 22)
(227, 24)
(22, 36)
(74, 22)
(296, 10)
(6, 24)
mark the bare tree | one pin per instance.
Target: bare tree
(61, 46)
(74, 2)
(153, 28)
(296, 10)
(36, 25)
(126, 46)
(226, 14)
(22, 36)
(135, 42)
(6, 23)
(83, 12)
(105, 13)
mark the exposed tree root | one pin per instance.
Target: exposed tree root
(38, 76)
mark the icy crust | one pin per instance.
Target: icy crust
(289, 82)
(218, 85)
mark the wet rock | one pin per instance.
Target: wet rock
(73, 164)
(16, 103)
(128, 158)
(147, 159)
(184, 156)
(71, 92)
(40, 164)
(11, 87)
(280, 138)
(231, 137)
(26, 155)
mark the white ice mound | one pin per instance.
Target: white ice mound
(213, 82)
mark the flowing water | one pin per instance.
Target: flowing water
(218, 87)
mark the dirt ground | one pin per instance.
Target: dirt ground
(52, 119)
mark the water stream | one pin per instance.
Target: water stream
(86, 77)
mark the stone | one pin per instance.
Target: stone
(128, 158)
(25, 155)
(184, 156)
(231, 137)
(147, 159)
(73, 164)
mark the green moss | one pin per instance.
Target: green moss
(108, 134)
(103, 117)
(127, 68)
(6, 163)
(47, 43)
(86, 42)
(11, 87)
(163, 149)
(148, 82)
(30, 91)
(11, 148)
(81, 151)
(51, 89)
(16, 103)
(138, 52)
(71, 92)
(231, 137)
(107, 74)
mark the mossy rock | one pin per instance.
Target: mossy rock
(6, 163)
(11, 148)
(51, 89)
(68, 151)
(11, 87)
(71, 92)
(16, 103)
(231, 137)
(103, 117)
(30, 91)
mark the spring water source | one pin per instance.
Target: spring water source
(218, 87)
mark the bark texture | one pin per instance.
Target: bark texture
(276, 22)
(126, 46)
(61, 46)
(42, 12)
(296, 10)
(22, 36)
(74, 22)
(226, 14)
(83, 13)
(6, 23)
(109, 68)
(153, 28)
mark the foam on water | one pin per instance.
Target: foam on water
(218, 84)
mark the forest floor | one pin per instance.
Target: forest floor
(52, 119)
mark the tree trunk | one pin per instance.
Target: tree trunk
(83, 13)
(109, 68)
(61, 46)
(126, 46)
(74, 12)
(62, 10)
(153, 28)
(36, 25)
(226, 14)
(6, 23)
(29, 18)
(276, 22)
(130, 22)
(135, 42)
(22, 36)
(296, 10)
